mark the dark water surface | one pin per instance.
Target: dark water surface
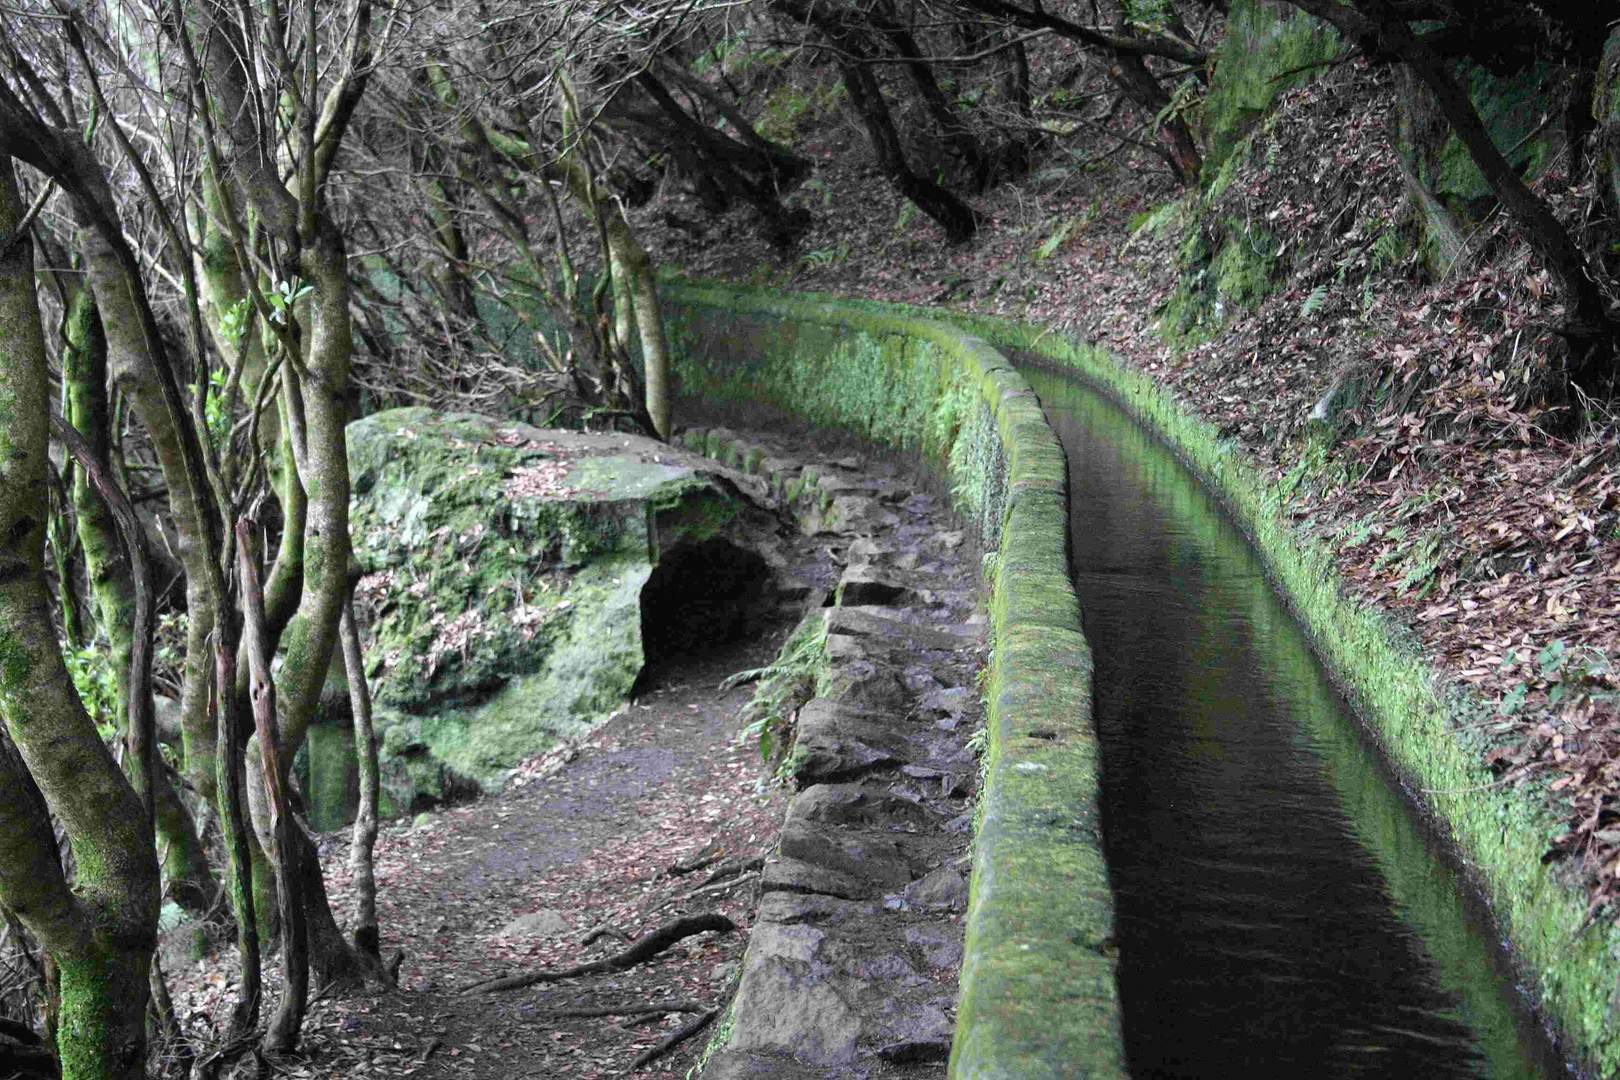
(1280, 911)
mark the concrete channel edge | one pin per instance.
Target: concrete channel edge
(1566, 965)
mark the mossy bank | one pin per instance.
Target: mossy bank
(504, 573)
(1038, 994)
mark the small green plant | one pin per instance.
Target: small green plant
(789, 106)
(819, 186)
(1314, 302)
(979, 742)
(215, 412)
(1392, 550)
(1425, 557)
(1571, 674)
(1055, 240)
(1316, 467)
(1387, 250)
(235, 320)
(97, 684)
(908, 214)
(783, 685)
(827, 256)
(1061, 97)
(946, 418)
(285, 296)
(1354, 534)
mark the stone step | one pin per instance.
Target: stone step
(863, 585)
(889, 634)
(877, 858)
(828, 982)
(859, 515)
(836, 742)
(862, 806)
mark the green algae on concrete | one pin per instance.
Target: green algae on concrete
(502, 574)
(1571, 967)
(1038, 994)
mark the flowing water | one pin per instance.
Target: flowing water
(1280, 910)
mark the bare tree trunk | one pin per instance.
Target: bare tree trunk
(953, 215)
(281, 1035)
(1143, 88)
(635, 291)
(234, 825)
(952, 128)
(743, 170)
(361, 849)
(643, 289)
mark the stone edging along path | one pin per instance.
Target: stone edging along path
(805, 354)
(1038, 995)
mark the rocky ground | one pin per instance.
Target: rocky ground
(667, 812)
(851, 970)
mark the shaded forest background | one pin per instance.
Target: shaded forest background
(1375, 239)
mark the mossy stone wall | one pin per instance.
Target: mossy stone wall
(1039, 997)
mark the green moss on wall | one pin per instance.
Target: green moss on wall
(1268, 48)
(1512, 108)
(1038, 989)
(1226, 267)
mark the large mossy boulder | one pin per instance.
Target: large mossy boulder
(503, 572)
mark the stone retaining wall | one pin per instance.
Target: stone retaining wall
(1038, 993)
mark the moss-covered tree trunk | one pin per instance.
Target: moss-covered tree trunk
(636, 310)
(239, 336)
(315, 254)
(100, 932)
(188, 879)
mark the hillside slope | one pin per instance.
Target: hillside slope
(1324, 297)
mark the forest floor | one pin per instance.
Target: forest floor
(667, 811)
(584, 840)
(1455, 496)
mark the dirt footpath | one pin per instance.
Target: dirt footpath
(663, 813)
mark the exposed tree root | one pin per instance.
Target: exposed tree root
(657, 1008)
(24, 1054)
(656, 1052)
(645, 948)
(734, 867)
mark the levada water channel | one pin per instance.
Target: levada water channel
(1281, 912)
